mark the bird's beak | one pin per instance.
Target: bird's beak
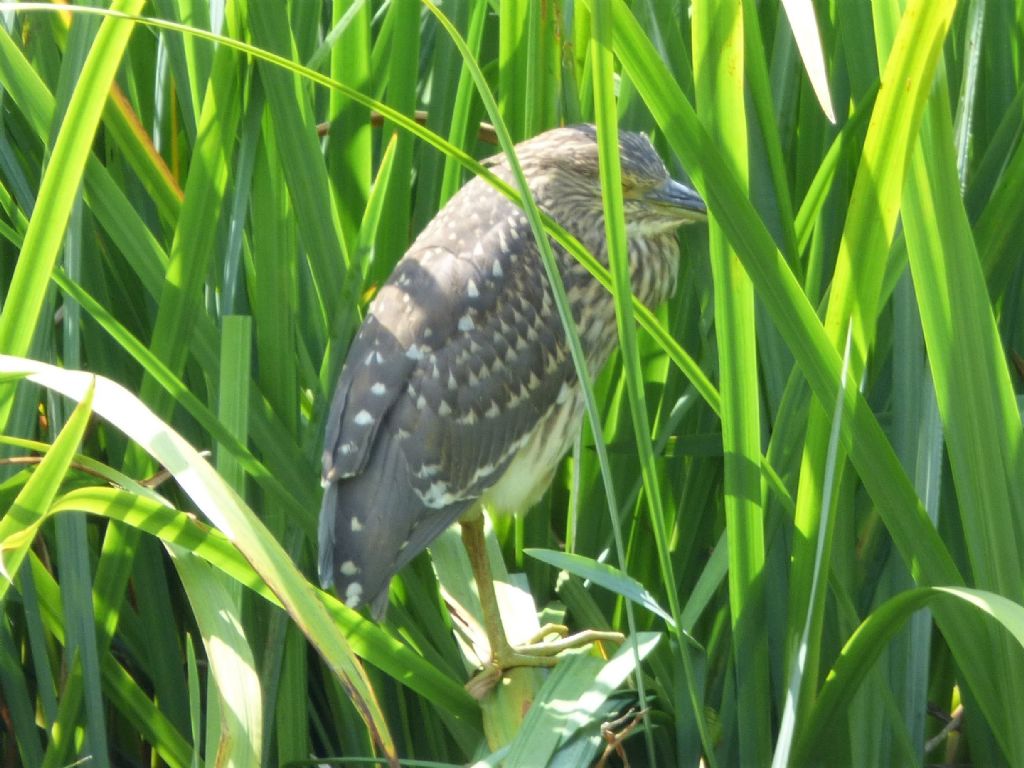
(673, 193)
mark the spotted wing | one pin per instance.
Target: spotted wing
(460, 357)
(375, 374)
(476, 400)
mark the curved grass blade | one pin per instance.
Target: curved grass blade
(871, 637)
(604, 575)
(59, 186)
(222, 506)
(966, 356)
(368, 641)
(230, 662)
(19, 525)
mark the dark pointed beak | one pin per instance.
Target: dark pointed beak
(678, 195)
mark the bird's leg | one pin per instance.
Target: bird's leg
(536, 652)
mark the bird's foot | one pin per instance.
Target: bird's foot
(538, 651)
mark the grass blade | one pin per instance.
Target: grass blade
(223, 507)
(19, 525)
(57, 191)
(720, 84)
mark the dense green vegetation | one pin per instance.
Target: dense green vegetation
(803, 504)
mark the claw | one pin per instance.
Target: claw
(538, 652)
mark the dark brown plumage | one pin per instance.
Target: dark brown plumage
(459, 385)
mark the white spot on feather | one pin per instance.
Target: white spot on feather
(363, 418)
(348, 568)
(485, 471)
(471, 289)
(437, 495)
(379, 389)
(356, 525)
(466, 323)
(515, 400)
(354, 594)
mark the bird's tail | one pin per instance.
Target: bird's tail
(373, 524)
(365, 524)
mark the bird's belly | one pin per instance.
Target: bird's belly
(531, 471)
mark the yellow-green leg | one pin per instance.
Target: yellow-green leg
(536, 652)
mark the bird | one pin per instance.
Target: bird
(459, 389)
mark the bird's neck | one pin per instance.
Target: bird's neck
(653, 265)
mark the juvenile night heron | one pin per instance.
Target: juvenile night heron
(459, 387)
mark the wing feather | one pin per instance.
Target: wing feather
(459, 357)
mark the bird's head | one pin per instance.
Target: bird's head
(562, 166)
